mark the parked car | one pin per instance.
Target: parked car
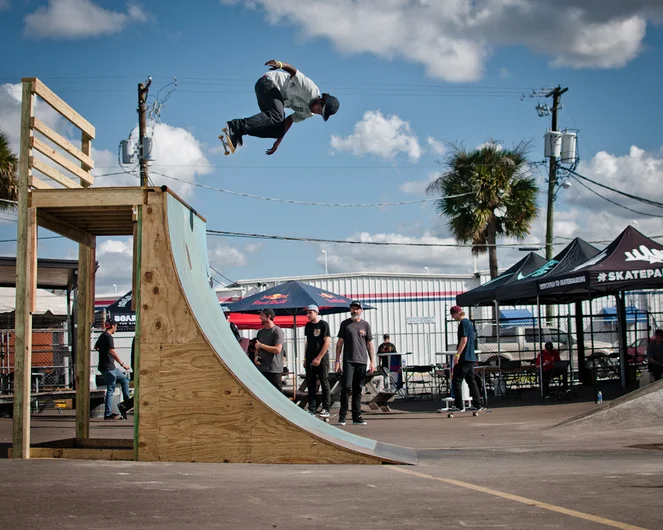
(521, 343)
(637, 351)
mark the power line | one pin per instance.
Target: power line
(630, 196)
(223, 233)
(222, 276)
(613, 202)
(309, 203)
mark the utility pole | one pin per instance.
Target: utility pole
(142, 121)
(556, 94)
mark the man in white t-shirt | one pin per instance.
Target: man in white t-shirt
(276, 91)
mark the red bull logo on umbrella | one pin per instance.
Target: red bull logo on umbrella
(333, 299)
(272, 299)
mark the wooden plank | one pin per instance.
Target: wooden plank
(60, 106)
(92, 197)
(23, 339)
(34, 182)
(53, 173)
(103, 443)
(60, 159)
(85, 280)
(32, 244)
(63, 143)
(86, 147)
(57, 225)
(75, 453)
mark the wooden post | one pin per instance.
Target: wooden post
(25, 254)
(86, 264)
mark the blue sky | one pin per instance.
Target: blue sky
(411, 77)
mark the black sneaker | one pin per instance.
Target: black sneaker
(235, 138)
(341, 420)
(112, 417)
(359, 421)
(123, 410)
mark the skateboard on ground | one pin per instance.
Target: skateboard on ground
(474, 412)
(228, 147)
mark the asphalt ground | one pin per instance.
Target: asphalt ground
(508, 468)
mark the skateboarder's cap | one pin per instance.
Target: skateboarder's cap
(455, 309)
(313, 307)
(329, 106)
(108, 324)
(356, 303)
(269, 312)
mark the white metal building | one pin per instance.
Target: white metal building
(411, 308)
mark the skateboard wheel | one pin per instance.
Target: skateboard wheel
(450, 415)
(475, 414)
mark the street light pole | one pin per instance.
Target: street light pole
(325, 253)
(427, 270)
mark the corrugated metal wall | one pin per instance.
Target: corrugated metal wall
(410, 308)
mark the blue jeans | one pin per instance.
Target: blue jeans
(112, 378)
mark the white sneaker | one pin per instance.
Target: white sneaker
(324, 413)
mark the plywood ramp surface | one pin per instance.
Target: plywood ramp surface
(200, 398)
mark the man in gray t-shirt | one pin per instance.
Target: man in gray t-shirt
(355, 345)
(269, 348)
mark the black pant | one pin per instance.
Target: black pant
(353, 381)
(464, 371)
(270, 122)
(656, 370)
(313, 375)
(274, 378)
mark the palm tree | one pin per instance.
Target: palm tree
(8, 174)
(499, 196)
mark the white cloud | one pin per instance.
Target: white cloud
(418, 187)
(490, 143)
(79, 19)
(639, 173)
(225, 256)
(454, 38)
(177, 153)
(436, 146)
(5, 4)
(115, 257)
(10, 114)
(356, 258)
(379, 135)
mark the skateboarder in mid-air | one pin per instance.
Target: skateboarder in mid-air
(282, 87)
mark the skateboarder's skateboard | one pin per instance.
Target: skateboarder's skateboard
(228, 147)
(323, 418)
(474, 412)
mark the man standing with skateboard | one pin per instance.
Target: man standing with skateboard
(465, 360)
(282, 87)
(355, 346)
(316, 360)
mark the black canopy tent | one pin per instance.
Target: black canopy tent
(632, 261)
(485, 294)
(524, 289)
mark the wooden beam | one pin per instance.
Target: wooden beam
(34, 182)
(23, 339)
(53, 173)
(60, 106)
(54, 224)
(92, 197)
(76, 453)
(63, 143)
(60, 159)
(86, 147)
(85, 292)
(32, 244)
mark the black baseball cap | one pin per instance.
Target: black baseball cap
(358, 304)
(329, 106)
(269, 312)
